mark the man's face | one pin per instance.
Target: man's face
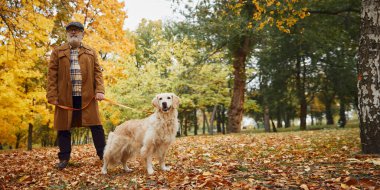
(74, 35)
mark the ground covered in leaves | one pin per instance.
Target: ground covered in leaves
(324, 159)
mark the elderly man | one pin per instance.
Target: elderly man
(75, 81)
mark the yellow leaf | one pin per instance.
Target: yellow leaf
(304, 187)
(206, 173)
(344, 186)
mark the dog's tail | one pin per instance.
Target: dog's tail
(110, 138)
(117, 148)
(108, 153)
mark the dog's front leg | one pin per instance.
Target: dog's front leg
(149, 166)
(124, 161)
(147, 154)
(104, 168)
(126, 168)
(162, 155)
(146, 150)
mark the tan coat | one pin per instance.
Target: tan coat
(60, 88)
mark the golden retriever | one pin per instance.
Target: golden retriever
(144, 137)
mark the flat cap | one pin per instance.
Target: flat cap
(75, 24)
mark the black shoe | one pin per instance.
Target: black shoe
(62, 164)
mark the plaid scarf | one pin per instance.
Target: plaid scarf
(76, 77)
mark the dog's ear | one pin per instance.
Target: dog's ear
(155, 102)
(176, 100)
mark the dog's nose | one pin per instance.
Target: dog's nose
(164, 105)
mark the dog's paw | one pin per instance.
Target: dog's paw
(150, 171)
(104, 171)
(128, 170)
(165, 168)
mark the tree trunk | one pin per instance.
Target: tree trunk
(279, 120)
(30, 136)
(273, 125)
(179, 133)
(84, 135)
(369, 77)
(73, 136)
(329, 115)
(219, 121)
(186, 120)
(45, 136)
(342, 114)
(266, 119)
(235, 112)
(223, 120)
(195, 122)
(303, 114)
(311, 114)
(77, 136)
(18, 139)
(205, 122)
(88, 139)
(212, 119)
(287, 120)
(300, 82)
(80, 141)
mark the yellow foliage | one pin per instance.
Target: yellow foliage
(288, 13)
(270, 2)
(26, 31)
(115, 117)
(103, 20)
(250, 25)
(25, 36)
(257, 16)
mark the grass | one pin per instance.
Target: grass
(351, 124)
(318, 159)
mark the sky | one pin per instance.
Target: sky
(149, 9)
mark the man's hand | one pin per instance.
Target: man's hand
(99, 96)
(54, 102)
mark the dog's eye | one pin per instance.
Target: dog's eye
(160, 98)
(168, 97)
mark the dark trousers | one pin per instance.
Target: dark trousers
(64, 137)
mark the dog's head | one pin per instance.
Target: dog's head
(166, 101)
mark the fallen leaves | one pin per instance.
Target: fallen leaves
(326, 159)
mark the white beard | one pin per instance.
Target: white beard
(75, 41)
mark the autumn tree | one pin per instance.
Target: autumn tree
(166, 60)
(336, 52)
(232, 25)
(314, 63)
(24, 38)
(274, 73)
(368, 77)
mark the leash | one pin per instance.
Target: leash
(76, 109)
(105, 99)
(121, 105)
(124, 106)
